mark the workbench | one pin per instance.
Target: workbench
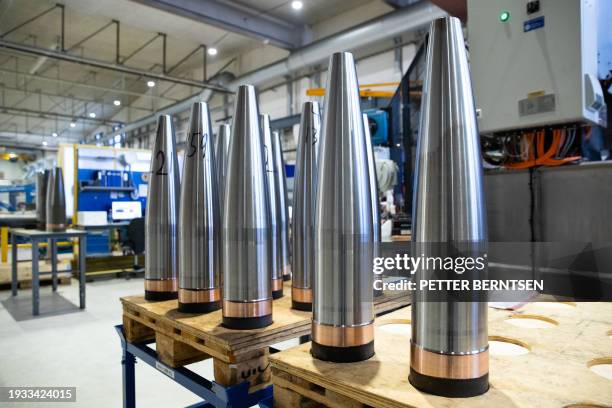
(36, 237)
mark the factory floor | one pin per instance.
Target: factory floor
(65, 346)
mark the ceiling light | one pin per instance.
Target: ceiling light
(212, 51)
(54, 134)
(92, 115)
(297, 5)
(45, 143)
(150, 84)
(73, 123)
(116, 102)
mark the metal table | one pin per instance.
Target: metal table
(109, 226)
(36, 236)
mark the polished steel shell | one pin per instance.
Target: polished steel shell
(199, 244)
(274, 201)
(343, 298)
(161, 218)
(42, 179)
(449, 206)
(56, 201)
(373, 194)
(304, 194)
(283, 210)
(221, 150)
(246, 215)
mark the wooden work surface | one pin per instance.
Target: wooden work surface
(36, 233)
(553, 374)
(204, 331)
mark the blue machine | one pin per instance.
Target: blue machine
(379, 126)
(98, 189)
(12, 191)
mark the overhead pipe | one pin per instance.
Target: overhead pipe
(389, 25)
(63, 56)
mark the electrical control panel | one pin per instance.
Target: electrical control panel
(534, 62)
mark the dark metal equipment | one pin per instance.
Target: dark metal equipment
(56, 201)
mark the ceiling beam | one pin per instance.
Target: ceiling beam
(235, 18)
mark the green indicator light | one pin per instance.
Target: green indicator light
(504, 16)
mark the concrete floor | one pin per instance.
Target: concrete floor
(70, 347)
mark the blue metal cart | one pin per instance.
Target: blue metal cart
(213, 394)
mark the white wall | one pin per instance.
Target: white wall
(11, 170)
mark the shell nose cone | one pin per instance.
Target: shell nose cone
(162, 216)
(304, 192)
(274, 196)
(449, 167)
(448, 221)
(199, 120)
(221, 151)
(343, 314)
(283, 212)
(199, 235)
(247, 294)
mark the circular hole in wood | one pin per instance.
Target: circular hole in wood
(507, 347)
(529, 321)
(555, 305)
(602, 367)
(395, 326)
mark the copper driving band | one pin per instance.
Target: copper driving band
(199, 295)
(342, 336)
(161, 285)
(55, 227)
(247, 309)
(303, 295)
(277, 284)
(456, 366)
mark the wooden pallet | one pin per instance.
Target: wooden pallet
(238, 354)
(554, 373)
(24, 270)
